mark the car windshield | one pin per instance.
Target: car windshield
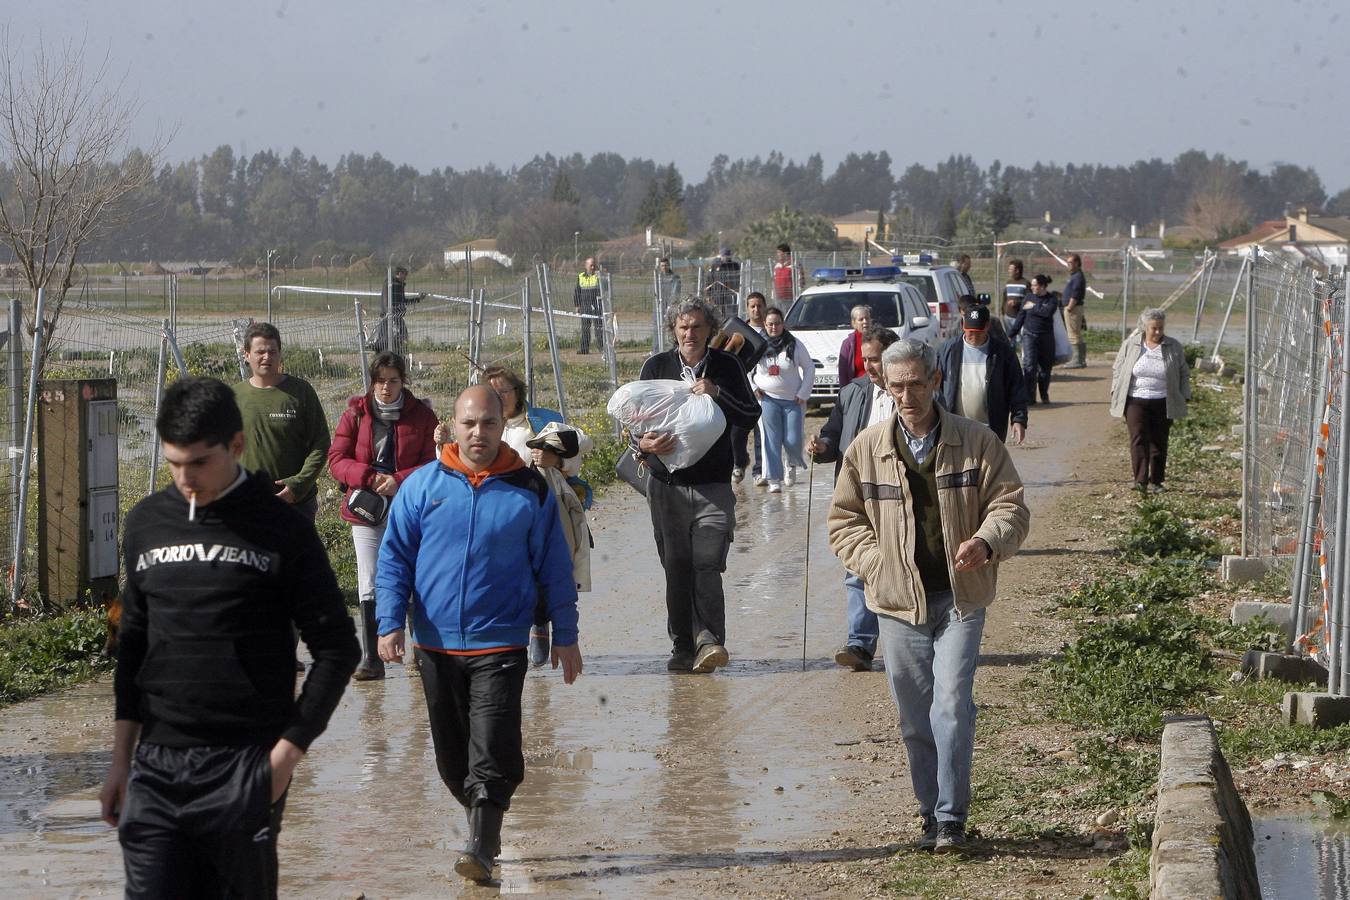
(926, 284)
(833, 310)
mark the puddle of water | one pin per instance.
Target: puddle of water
(1303, 856)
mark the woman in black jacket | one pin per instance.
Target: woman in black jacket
(1037, 319)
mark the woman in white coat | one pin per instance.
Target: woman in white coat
(1150, 385)
(782, 381)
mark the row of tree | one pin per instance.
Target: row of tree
(221, 205)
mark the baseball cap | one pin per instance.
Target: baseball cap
(975, 319)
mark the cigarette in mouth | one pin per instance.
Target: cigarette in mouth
(192, 508)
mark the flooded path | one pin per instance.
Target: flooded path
(639, 783)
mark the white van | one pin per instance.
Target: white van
(821, 316)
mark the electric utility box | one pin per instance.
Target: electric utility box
(77, 491)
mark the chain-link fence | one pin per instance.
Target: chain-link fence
(1294, 477)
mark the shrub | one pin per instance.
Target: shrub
(42, 654)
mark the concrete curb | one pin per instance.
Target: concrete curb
(1202, 836)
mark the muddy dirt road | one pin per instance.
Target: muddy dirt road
(759, 780)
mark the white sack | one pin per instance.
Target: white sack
(666, 405)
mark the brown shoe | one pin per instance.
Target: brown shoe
(710, 656)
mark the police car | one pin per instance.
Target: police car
(941, 287)
(821, 316)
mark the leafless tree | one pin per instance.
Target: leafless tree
(67, 165)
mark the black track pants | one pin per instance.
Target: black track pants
(199, 822)
(474, 706)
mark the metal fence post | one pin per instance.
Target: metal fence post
(1228, 312)
(1249, 379)
(15, 396)
(525, 314)
(547, 295)
(1125, 290)
(361, 347)
(1336, 648)
(160, 374)
(1202, 290)
(610, 328)
(26, 462)
(1304, 560)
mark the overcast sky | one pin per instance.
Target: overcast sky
(438, 84)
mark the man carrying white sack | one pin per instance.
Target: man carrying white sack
(693, 508)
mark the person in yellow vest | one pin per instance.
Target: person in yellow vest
(586, 299)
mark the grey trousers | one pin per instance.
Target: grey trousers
(693, 525)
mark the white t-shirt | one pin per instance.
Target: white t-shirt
(1150, 375)
(971, 401)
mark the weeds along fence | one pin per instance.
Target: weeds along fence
(1295, 479)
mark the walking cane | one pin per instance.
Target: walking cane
(806, 579)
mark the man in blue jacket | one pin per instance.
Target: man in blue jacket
(475, 539)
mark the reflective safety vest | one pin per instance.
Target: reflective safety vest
(588, 282)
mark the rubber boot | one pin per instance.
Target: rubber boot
(485, 842)
(1080, 354)
(372, 667)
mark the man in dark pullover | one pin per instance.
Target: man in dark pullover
(694, 509)
(219, 572)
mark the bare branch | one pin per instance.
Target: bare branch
(67, 161)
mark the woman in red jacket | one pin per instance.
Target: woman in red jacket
(382, 438)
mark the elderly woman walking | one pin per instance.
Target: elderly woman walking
(1150, 384)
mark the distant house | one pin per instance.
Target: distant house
(483, 248)
(1320, 240)
(857, 227)
(642, 244)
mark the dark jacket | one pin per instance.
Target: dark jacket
(1005, 392)
(849, 416)
(736, 401)
(206, 647)
(1037, 318)
(1076, 289)
(846, 351)
(352, 453)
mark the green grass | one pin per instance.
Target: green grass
(43, 654)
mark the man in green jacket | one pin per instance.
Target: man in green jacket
(286, 432)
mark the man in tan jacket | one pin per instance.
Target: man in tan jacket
(927, 504)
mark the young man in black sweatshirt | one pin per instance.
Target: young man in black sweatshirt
(208, 725)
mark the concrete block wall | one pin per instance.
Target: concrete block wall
(1202, 835)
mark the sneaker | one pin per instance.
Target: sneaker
(1157, 489)
(680, 661)
(760, 481)
(791, 477)
(775, 487)
(710, 656)
(539, 646)
(951, 838)
(928, 840)
(851, 656)
(737, 475)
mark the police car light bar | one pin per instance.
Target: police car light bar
(913, 259)
(864, 273)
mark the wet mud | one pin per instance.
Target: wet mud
(761, 779)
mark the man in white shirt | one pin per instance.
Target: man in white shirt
(862, 403)
(981, 377)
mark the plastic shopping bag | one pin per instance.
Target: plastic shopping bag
(669, 406)
(1063, 352)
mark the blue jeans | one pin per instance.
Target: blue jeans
(931, 671)
(782, 421)
(862, 622)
